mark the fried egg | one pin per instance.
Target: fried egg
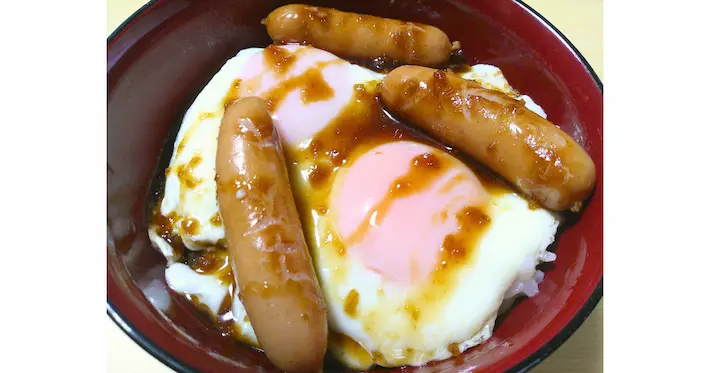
(424, 255)
(415, 250)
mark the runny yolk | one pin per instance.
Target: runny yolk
(396, 204)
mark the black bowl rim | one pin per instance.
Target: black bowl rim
(528, 363)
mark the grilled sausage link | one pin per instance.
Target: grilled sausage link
(277, 282)
(540, 159)
(359, 36)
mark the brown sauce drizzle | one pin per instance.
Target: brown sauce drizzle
(278, 59)
(224, 319)
(382, 64)
(351, 303)
(456, 249)
(423, 171)
(459, 69)
(214, 262)
(361, 122)
(208, 261)
(457, 61)
(454, 349)
(163, 226)
(233, 93)
(213, 259)
(319, 173)
(184, 173)
(471, 224)
(190, 226)
(311, 83)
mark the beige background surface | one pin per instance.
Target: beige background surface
(581, 22)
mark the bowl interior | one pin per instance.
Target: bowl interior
(161, 59)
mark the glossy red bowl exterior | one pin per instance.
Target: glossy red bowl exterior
(160, 59)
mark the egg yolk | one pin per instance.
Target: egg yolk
(395, 205)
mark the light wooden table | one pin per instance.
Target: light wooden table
(581, 22)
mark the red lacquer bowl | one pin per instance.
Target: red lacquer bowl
(160, 59)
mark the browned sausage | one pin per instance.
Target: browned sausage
(359, 36)
(277, 282)
(540, 159)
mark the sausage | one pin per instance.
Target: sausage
(267, 249)
(359, 36)
(530, 152)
